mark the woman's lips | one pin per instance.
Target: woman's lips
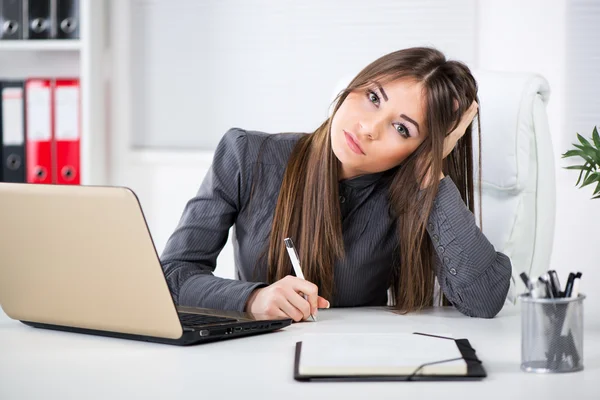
(353, 143)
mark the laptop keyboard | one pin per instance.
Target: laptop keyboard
(202, 319)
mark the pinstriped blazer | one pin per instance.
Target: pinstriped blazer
(472, 275)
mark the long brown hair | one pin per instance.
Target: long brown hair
(307, 208)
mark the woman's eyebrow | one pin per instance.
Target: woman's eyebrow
(382, 91)
(406, 117)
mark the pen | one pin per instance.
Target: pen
(569, 285)
(546, 283)
(539, 290)
(291, 249)
(571, 291)
(554, 283)
(527, 282)
(552, 356)
(576, 282)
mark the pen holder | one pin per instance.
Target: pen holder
(551, 334)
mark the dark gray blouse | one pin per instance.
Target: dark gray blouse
(472, 275)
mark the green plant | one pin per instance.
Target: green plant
(590, 153)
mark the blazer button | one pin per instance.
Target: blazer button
(430, 225)
(446, 260)
(453, 271)
(342, 199)
(441, 249)
(436, 238)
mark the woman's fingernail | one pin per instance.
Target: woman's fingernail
(328, 304)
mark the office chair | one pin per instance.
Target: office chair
(518, 178)
(518, 182)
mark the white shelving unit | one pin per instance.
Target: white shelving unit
(85, 58)
(40, 45)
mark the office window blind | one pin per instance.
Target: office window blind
(201, 67)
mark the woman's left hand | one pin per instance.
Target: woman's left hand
(461, 129)
(454, 136)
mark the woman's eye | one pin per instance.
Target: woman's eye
(373, 97)
(401, 128)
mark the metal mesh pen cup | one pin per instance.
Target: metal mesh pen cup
(551, 334)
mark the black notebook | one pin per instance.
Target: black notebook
(385, 357)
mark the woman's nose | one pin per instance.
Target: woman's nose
(369, 128)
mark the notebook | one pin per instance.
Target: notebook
(393, 356)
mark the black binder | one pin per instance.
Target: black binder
(11, 19)
(474, 368)
(67, 19)
(39, 19)
(12, 131)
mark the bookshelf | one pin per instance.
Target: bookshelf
(40, 45)
(86, 58)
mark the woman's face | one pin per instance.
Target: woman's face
(377, 128)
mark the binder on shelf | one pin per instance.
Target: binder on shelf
(38, 131)
(67, 19)
(12, 131)
(11, 19)
(39, 20)
(67, 131)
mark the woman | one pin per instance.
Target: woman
(379, 197)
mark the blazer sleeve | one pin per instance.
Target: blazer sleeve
(471, 273)
(190, 255)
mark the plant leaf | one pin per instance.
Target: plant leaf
(596, 138)
(583, 141)
(579, 153)
(588, 158)
(583, 148)
(585, 177)
(586, 167)
(579, 179)
(596, 197)
(588, 148)
(570, 153)
(597, 190)
(590, 151)
(593, 177)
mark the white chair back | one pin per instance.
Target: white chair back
(518, 179)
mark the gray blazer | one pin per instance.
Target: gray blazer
(472, 275)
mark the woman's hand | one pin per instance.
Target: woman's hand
(284, 299)
(461, 129)
(454, 136)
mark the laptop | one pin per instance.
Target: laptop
(81, 259)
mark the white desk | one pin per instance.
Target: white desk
(42, 364)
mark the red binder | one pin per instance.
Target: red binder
(67, 131)
(38, 127)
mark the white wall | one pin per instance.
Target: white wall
(249, 64)
(511, 35)
(267, 65)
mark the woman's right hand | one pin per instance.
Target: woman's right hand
(284, 299)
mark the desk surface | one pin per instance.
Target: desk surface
(37, 363)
